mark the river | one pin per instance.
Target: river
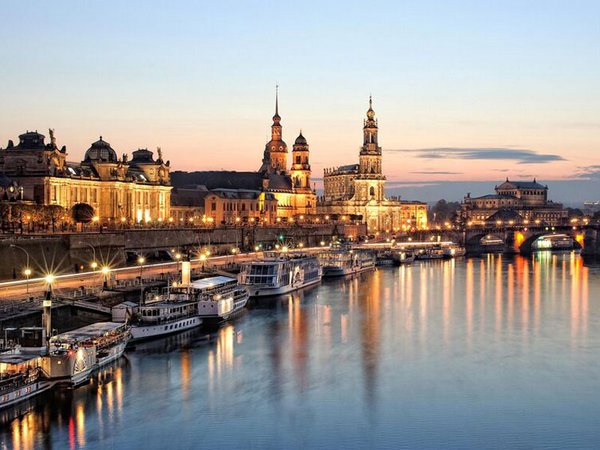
(490, 352)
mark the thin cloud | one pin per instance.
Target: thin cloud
(588, 173)
(436, 172)
(522, 156)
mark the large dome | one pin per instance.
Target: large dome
(100, 151)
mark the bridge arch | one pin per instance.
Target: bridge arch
(527, 246)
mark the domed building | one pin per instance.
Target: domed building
(116, 188)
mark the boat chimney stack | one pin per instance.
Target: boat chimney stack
(185, 273)
(47, 317)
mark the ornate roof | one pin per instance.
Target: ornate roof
(31, 140)
(100, 151)
(300, 140)
(522, 184)
(142, 155)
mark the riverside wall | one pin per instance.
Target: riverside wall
(66, 253)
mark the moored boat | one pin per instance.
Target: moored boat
(170, 314)
(21, 377)
(430, 253)
(280, 273)
(340, 261)
(454, 251)
(74, 355)
(401, 256)
(218, 298)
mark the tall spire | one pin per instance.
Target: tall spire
(276, 117)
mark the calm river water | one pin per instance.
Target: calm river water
(490, 352)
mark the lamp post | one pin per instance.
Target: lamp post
(105, 271)
(27, 273)
(27, 270)
(141, 260)
(94, 263)
(47, 305)
(178, 266)
(203, 260)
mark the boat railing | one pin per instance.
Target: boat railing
(12, 381)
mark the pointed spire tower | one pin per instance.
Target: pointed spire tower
(370, 152)
(275, 156)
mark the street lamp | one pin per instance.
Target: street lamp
(94, 264)
(178, 259)
(49, 279)
(141, 260)
(105, 271)
(203, 260)
(27, 273)
(27, 270)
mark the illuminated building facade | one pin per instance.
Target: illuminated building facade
(118, 189)
(359, 189)
(290, 188)
(514, 202)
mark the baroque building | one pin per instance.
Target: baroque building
(515, 202)
(118, 189)
(359, 189)
(289, 185)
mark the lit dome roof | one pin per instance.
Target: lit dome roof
(300, 140)
(100, 151)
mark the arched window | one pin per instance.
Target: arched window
(372, 191)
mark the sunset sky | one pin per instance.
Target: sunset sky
(465, 91)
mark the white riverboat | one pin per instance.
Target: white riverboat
(218, 298)
(553, 242)
(21, 377)
(341, 260)
(280, 273)
(74, 355)
(170, 314)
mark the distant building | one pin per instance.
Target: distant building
(288, 191)
(117, 189)
(514, 202)
(230, 206)
(359, 189)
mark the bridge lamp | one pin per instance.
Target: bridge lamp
(94, 265)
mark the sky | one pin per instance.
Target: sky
(467, 93)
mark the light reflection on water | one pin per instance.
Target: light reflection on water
(485, 352)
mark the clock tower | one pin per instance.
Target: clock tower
(275, 156)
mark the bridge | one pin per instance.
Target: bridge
(515, 239)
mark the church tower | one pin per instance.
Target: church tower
(370, 152)
(275, 155)
(300, 165)
(369, 182)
